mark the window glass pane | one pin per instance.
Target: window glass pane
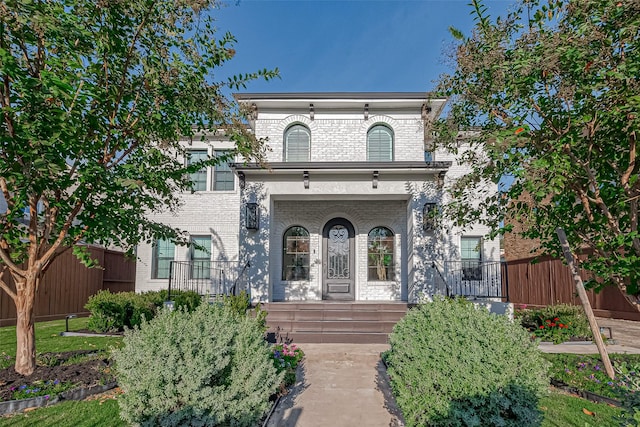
(201, 257)
(297, 144)
(380, 254)
(198, 178)
(380, 144)
(471, 255)
(223, 179)
(163, 253)
(295, 258)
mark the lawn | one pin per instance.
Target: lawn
(562, 410)
(48, 340)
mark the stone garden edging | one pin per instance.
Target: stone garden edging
(13, 406)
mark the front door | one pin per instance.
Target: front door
(338, 270)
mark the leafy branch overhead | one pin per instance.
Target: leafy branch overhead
(550, 92)
(95, 96)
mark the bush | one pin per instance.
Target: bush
(556, 323)
(210, 367)
(188, 300)
(451, 363)
(113, 312)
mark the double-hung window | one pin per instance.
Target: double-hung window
(199, 177)
(163, 253)
(471, 255)
(222, 174)
(200, 257)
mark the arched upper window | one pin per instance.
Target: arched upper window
(295, 256)
(380, 253)
(297, 144)
(380, 144)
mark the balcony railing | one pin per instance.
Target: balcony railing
(211, 278)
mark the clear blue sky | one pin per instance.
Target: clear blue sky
(348, 45)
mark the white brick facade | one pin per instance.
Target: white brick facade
(336, 182)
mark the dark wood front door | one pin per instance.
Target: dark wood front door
(338, 264)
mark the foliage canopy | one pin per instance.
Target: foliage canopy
(95, 96)
(552, 92)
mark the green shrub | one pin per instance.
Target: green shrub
(209, 367)
(453, 364)
(556, 323)
(112, 312)
(189, 300)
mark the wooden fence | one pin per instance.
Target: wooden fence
(68, 285)
(549, 281)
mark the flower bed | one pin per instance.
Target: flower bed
(585, 372)
(286, 357)
(555, 323)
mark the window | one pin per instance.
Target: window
(380, 254)
(380, 144)
(471, 255)
(297, 144)
(430, 216)
(163, 252)
(198, 178)
(223, 175)
(295, 257)
(201, 257)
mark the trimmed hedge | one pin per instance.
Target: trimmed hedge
(113, 312)
(210, 367)
(452, 364)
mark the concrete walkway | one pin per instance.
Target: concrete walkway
(345, 385)
(339, 385)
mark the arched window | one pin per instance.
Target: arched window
(380, 252)
(297, 144)
(295, 256)
(380, 144)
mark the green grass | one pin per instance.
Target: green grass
(561, 410)
(48, 340)
(78, 414)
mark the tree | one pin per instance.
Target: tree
(95, 96)
(552, 94)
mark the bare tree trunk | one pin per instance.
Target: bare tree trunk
(25, 330)
(597, 337)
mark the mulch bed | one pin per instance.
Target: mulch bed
(85, 374)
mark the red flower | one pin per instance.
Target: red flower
(519, 130)
(541, 327)
(561, 325)
(556, 318)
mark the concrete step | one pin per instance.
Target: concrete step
(332, 326)
(332, 322)
(332, 337)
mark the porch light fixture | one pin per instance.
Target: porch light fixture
(251, 216)
(429, 212)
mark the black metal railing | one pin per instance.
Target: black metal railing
(211, 278)
(479, 279)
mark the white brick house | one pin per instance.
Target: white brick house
(340, 209)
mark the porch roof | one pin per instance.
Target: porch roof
(403, 167)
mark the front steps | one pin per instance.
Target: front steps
(332, 322)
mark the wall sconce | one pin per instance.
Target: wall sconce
(251, 216)
(429, 219)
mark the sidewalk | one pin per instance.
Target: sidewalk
(345, 385)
